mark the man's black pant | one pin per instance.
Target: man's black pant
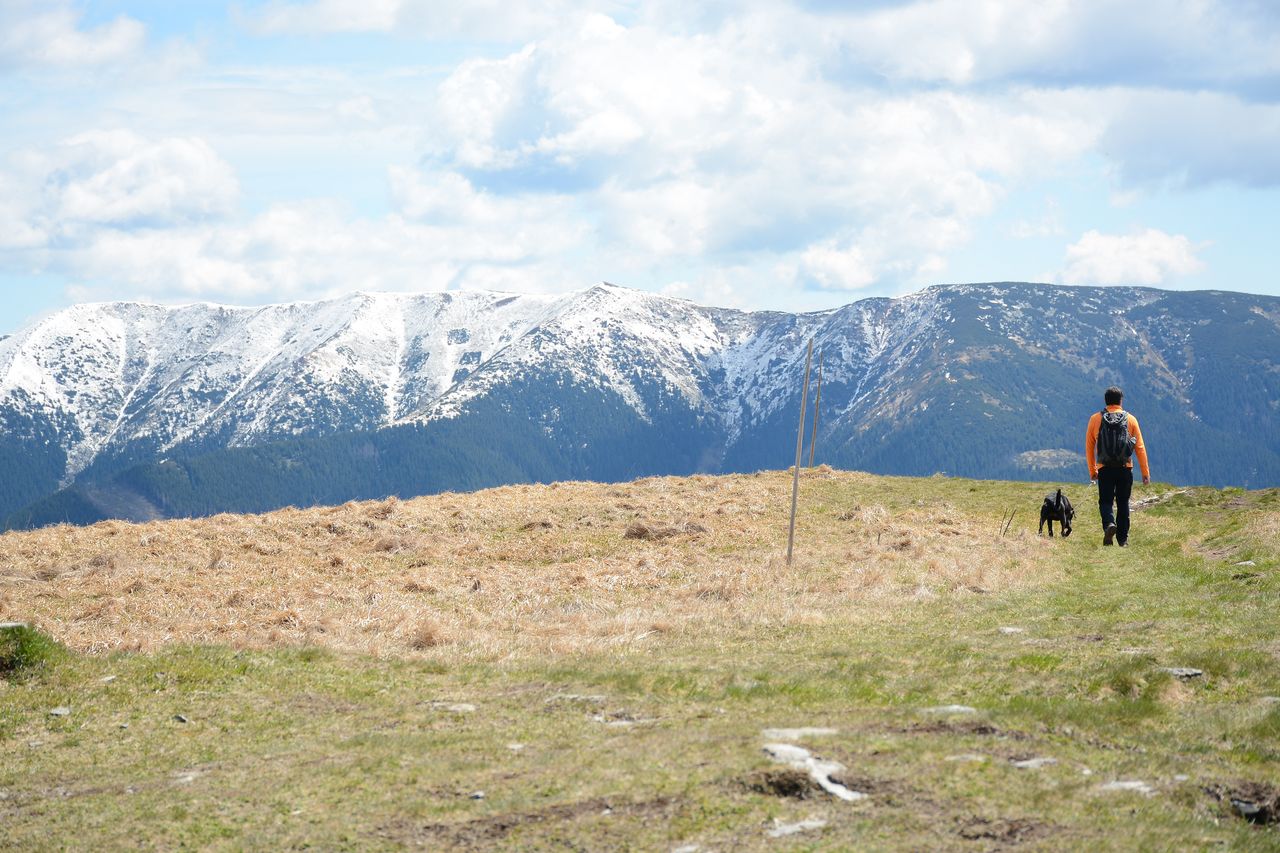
(1115, 484)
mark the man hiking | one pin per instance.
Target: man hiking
(1110, 443)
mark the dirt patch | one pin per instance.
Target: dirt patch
(1154, 500)
(484, 832)
(316, 704)
(655, 532)
(788, 783)
(944, 727)
(1221, 553)
(892, 792)
(1005, 832)
(1255, 802)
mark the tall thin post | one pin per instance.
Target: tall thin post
(795, 481)
(817, 401)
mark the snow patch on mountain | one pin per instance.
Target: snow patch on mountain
(125, 377)
(121, 381)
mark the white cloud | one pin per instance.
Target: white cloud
(533, 224)
(35, 33)
(475, 104)
(1071, 42)
(756, 153)
(17, 230)
(117, 177)
(433, 19)
(710, 144)
(837, 268)
(112, 211)
(310, 250)
(328, 16)
(1146, 257)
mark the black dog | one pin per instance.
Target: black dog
(1057, 508)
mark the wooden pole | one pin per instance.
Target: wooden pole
(795, 481)
(817, 401)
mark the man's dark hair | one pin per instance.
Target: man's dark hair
(1113, 396)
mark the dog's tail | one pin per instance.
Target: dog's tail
(1058, 500)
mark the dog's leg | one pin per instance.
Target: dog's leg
(1040, 530)
(1050, 527)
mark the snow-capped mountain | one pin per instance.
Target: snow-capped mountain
(974, 379)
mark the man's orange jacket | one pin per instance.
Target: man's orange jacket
(1091, 442)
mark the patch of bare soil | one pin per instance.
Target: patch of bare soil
(1154, 500)
(484, 832)
(1256, 802)
(656, 532)
(971, 727)
(788, 783)
(315, 705)
(890, 792)
(1004, 832)
(1218, 552)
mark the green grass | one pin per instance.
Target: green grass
(24, 651)
(305, 747)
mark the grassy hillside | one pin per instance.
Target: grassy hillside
(594, 667)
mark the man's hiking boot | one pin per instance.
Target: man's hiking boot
(1109, 534)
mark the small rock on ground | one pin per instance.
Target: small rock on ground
(60, 711)
(951, 709)
(1133, 785)
(797, 733)
(1246, 563)
(587, 698)
(1033, 763)
(1183, 672)
(477, 795)
(782, 830)
(454, 707)
(180, 718)
(621, 719)
(819, 770)
(1010, 629)
(687, 848)
(9, 626)
(967, 757)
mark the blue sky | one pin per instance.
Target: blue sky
(759, 154)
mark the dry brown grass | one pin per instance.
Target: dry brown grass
(470, 575)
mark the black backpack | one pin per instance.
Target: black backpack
(1115, 445)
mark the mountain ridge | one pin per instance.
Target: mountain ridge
(913, 384)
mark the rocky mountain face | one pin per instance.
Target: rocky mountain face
(137, 410)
